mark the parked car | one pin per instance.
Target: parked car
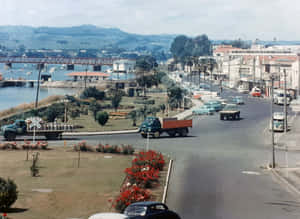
(243, 89)
(279, 97)
(255, 92)
(217, 105)
(204, 110)
(108, 216)
(149, 210)
(238, 100)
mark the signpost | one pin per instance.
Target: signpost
(34, 123)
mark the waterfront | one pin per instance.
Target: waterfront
(13, 96)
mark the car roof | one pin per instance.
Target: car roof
(108, 216)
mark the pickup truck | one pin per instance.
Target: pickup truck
(171, 126)
(22, 127)
(230, 112)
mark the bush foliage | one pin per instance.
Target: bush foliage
(8, 193)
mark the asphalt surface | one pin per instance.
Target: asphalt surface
(217, 170)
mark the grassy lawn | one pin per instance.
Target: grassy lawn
(89, 124)
(63, 190)
(76, 192)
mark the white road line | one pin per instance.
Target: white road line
(251, 173)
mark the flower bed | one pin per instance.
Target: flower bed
(143, 173)
(39, 145)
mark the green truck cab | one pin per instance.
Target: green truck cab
(22, 127)
(171, 126)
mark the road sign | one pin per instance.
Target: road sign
(34, 122)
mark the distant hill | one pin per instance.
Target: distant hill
(85, 37)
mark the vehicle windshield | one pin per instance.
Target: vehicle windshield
(230, 107)
(135, 211)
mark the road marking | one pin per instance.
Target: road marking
(251, 173)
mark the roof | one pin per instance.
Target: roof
(97, 74)
(225, 49)
(146, 203)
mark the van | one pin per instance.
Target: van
(279, 97)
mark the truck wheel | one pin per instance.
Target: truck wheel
(238, 116)
(183, 132)
(144, 135)
(156, 134)
(51, 136)
(10, 136)
(221, 117)
(171, 133)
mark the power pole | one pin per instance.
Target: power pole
(229, 69)
(38, 85)
(285, 104)
(272, 121)
(254, 60)
(298, 76)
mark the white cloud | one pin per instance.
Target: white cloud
(248, 19)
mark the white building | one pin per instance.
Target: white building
(124, 66)
(257, 63)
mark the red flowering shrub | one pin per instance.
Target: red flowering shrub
(142, 175)
(152, 158)
(144, 171)
(131, 195)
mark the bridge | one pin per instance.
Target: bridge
(17, 83)
(59, 60)
(70, 62)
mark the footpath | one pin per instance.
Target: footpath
(288, 157)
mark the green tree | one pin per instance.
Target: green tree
(54, 111)
(162, 108)
(8, 194)
(178, 47)
(93, 92)
(183, 47)
(94, 107)
(133, 116)
(144, 65)
(116, 99)
(102, 117)
(175, 95)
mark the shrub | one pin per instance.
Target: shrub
(93, 92)
(82, 146)
(102, 117)
(152, 158)
(142, 175)
(8, 193)
(127, 149)
(131, 195)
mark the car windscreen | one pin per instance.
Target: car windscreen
(135, 211)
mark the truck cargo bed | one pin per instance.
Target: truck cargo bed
(170, 124)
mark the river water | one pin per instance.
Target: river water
(13, 96)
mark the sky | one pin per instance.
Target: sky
(219, 19)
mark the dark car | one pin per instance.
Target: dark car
(149, 210)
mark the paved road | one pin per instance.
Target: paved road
(217, 170)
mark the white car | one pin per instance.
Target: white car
(108, 216)
(243, 90)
